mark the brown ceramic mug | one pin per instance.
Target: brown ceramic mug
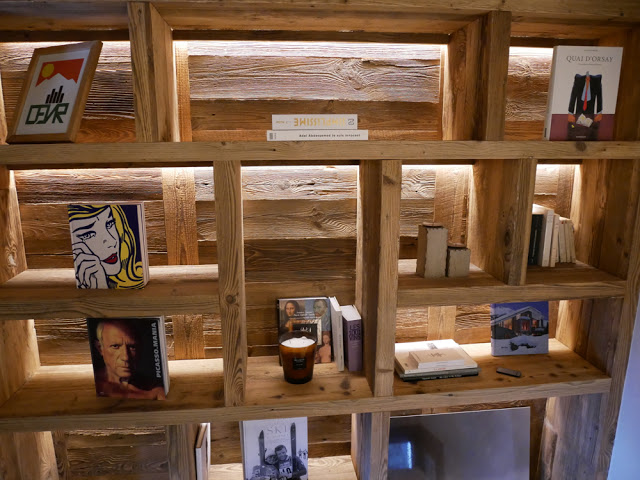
(297, 361)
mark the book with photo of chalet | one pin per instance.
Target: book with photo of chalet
(519, 328)
(275, 449)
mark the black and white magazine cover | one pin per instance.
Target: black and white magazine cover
(275, 449)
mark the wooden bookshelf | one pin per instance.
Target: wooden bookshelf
(197, 392)
(583, 375)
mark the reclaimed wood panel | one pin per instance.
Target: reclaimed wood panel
(233, 300)
(303, 78)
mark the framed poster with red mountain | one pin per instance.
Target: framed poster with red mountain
(54, 93)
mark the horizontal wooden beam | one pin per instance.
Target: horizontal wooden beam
(52, 293)
(122, 155)
(188, 289)
(564, 282)
(196, 392)
(383, 15)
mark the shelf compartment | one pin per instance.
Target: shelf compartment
(124, 155)
(52, 293)
(196, 394)
(561, 372)
(564, 282)
(326, 468)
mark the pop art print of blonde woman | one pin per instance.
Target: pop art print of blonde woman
(104, 248)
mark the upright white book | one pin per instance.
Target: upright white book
(336, 331)
(203, 451)
(583, 92)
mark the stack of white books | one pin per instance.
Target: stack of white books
(432, 360)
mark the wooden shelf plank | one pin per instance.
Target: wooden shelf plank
(94, 155)
(561, 372)
(193, 289)
(564, 282)
(196, 392)
(327, 468)
(52, 293)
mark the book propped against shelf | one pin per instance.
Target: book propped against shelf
(519, 328)
(352, 331)
(203, 451)
(309, 314)
(583, 92)
(129, 357)
(336, 330)
(433, 359)
(109, 245)
(275, 449)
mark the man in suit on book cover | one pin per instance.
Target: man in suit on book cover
(585, 107)
(118, 344)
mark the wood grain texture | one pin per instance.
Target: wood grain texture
(452, 201)
(561, 283)
(501, 195)
(154, 78)
(441, 322)
(379, 186)
(22, 157)
(12, 253)
(182, 249)
(338, 467)
(171, 290)
(60, 446)
(493, 74)
(228, 181)
(3, 117)
(180, 447)
(370, 444)
(183, 90)
(288, 78)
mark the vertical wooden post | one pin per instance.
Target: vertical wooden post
(580, 430)
(227, 178)
(378, 223)
(22, 455)
(379, 188)
(474, 100)
(370, 444)
(157, 120)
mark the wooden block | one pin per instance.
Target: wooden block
(432, 250)
(458, 261)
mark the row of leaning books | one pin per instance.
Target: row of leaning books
(337, 328)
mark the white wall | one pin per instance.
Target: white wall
(625, 462)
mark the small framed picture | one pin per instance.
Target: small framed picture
(54, 93)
